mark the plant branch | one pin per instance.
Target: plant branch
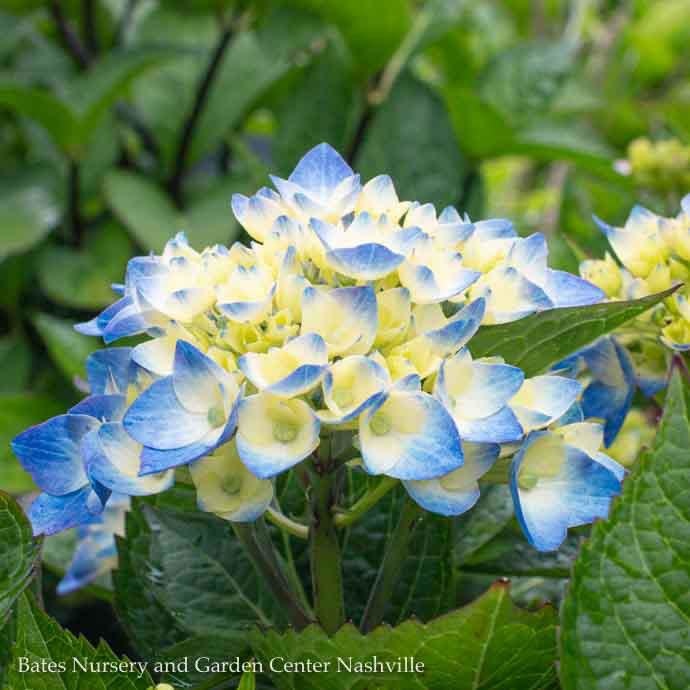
(357, 510)
(201, 96)
(74, 46)
(89, 29)
(326, 573)
(393, 559)
(286, 524)
(271, 573)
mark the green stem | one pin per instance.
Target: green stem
(366, 503)
(279, 519)
(267, 565)
(294, 575)
(393, 559)
(327, 579)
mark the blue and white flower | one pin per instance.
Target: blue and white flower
(456, 492)
(476, 394)
(274, 434)
(184, 416)
(226, 487)
(560, 479)
(408, 434)
(288, 371)
(346, 318)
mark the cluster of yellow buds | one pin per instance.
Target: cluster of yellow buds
(661, 166)
(654, 254)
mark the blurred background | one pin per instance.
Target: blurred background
(124, 121)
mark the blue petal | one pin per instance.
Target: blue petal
(422, 441)
(91, 558)
(501, 427)
(320, 171)
(196, 378)
(568, 290)
(50, 452)
(108, 370)
(51, 514)
(113, 460)
(460, 328)
(437, 496)
(104, 408)
(365, 262)
(610, 395)
(579, 494)
(154, 461)
(157, 419)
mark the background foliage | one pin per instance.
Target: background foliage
(124, 121)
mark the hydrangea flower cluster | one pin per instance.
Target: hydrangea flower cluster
(654, 252)
(350, 310)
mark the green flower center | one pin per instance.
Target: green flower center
(232, 485)
(284, 432)
(380, 424)
(342, 397)
(216, 416)
(527, 480)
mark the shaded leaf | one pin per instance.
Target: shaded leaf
(148, 625)
(487, 644)
(40, 638)
(425, 586)
(537, 342)
(20, 411)
(15, 364)
(372, 34)
(19, 553)
(253, 62)
(67, 348)
(28, 211)
(625, 620)
(152, 219)
(320, 108)
(412, 140)
(83, 278)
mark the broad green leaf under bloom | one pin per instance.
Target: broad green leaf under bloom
(625, 618)
(489, 643)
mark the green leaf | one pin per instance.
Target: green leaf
(67, 348)
(253, 62)
(56, 117)
(15, 364)
(485, 645)
(626, 618)
(425, 587)
(40, 638)
(150, 627)
(187, 568)
(524, 80)
(320, 108)
(94, 93)
(20, 411)
(214, 650)
(537, 342)
(28, 211)
(152, 218)
(484, 522)
(143, 207)
(248, 682)
(412, 140)
(82, 279)
(19, 553)
(206, 581)
(372, 34)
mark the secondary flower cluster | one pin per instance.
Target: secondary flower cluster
(350, 310)
(655, 253)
